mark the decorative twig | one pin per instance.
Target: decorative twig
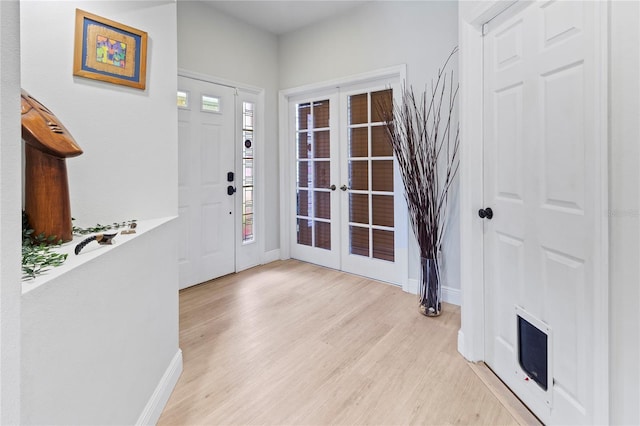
(425, 142)
(101, 228)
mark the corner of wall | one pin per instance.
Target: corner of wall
(10, 219)
(152, 411)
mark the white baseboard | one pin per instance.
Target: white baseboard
(271, 256)
(461, 343)
(452, 295)
(152, 411)
(449, 295)
(412, 286)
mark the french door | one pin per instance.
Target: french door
(541, 240)
(348, 211)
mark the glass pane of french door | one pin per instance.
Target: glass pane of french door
(370, 177)
(313, 174)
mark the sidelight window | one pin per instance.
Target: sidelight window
(248, 162)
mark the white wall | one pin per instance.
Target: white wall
(10, 218)
(99, 340)
(374, 36)
(624, 192)
(129, 167)
(217, 45)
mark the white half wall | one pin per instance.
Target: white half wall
(374, 36)
(100, 342)
(215, 44)
(10, 218)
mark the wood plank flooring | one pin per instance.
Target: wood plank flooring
(296, 344)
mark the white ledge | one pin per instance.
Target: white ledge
(90, 252)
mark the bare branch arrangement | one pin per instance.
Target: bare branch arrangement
(425, 142)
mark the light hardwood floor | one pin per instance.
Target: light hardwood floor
(293, 343)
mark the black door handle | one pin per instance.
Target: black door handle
(230, 190)
(485, 213)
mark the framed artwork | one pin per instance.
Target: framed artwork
(108, 51)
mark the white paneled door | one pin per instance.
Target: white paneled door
(540, 184)
(206, 122)
(346, 213)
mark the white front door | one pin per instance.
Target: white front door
(206, 123)
(347, 211)
(541, 243)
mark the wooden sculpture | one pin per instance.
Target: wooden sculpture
(47, 144)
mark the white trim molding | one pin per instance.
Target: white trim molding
(217, 80)
(449, 294)
(260, 136)
(272, 256)
(472, 17)
(152, 411)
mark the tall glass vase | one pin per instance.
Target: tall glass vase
(429, 288)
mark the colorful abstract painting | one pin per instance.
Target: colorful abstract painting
(109, 51)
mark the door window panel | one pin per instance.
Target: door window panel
(382, 210)
(358, 109)
(381, 105)
(323, 235)
(359, 241)
(314, 171)
(304, 112)
(320, 114)
(304, 232)
(322, 174)
(359, 208)
(382, 175)
(303, 174)
(322, 146)
(371, 202)
(359, 142)
(303, 145)
(322, 205)
(380, 145)
(359, 175)
(383, 244)
(303, 203)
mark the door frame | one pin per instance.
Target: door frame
(259, 223)
(472, 17)
(287, 151)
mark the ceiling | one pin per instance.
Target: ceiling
(282, 16)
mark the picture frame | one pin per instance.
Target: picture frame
(108, 51)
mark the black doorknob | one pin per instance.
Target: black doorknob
(485, 213)
(231, 190)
